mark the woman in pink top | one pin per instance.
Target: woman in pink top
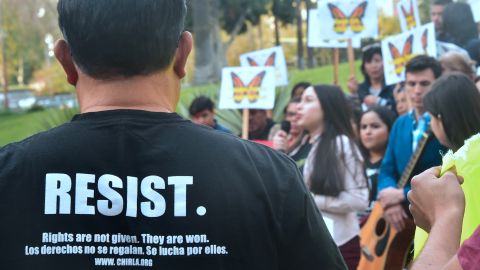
(334, 167)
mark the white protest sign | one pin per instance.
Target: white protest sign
(273, 57)
(343, 19)
(247, 88)
(398, 50)
(314, 36)
(408, 14)
(475, 4)
(444, 47)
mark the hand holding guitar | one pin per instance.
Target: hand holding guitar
(396, 216)
(390, 196)
(434, 198)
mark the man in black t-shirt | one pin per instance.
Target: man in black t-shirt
(130, 184)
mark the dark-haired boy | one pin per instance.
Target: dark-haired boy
(202, 112)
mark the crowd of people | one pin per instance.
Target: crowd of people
(353, 148)
(128, 165)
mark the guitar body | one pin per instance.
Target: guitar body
(381, 245)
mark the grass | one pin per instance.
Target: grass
(18, 126)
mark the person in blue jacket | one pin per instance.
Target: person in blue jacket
(406, 133)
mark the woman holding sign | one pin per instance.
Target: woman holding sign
(372, 91)
(334, 167)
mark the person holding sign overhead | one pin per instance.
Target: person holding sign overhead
(372, 91)
(334, 167)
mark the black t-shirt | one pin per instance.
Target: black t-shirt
(372, 170)
(141, 190)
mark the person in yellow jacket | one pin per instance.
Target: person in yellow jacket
(454, 106)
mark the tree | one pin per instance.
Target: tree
(300, 59)
(232, 16)
(23, 30)
(284, 12)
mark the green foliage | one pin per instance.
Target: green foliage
(18, 126)
(15, 127)
(232, 10)
(284, 10)
(52, 77)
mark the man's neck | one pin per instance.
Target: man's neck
(157, 93)
(419, 113)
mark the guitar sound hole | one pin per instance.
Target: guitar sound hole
(380, 228)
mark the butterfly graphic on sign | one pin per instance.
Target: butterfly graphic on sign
(409, 16)
(341, 21)
(269, 63)
(401, 59)
(425, 41)
(251, 91)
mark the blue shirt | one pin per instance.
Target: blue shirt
(221, 128)
(399, 151)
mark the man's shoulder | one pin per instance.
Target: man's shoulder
(17, 153)
(402, 122)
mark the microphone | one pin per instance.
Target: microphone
(285, 126)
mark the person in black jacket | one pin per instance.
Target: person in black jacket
(372, 91)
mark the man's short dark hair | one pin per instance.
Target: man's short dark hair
(423, 62)
(442, 2)
(201, 104)
(122, 38)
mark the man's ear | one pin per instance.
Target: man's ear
(63, 55)
(181, 56)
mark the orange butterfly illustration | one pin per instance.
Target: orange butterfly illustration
(269, 63)
(251, 91)
(425, 41)
(409, 16)
(354, 20)
(401, 59)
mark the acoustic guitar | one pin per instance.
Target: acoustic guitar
(382, 246)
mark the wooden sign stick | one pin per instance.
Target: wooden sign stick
(351, 57)
(246, 116)
(336, 63)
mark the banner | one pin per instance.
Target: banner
(273, 57)
(342, 19)
(315, 40)
(408, 14)
(247, 88)
(398, 50)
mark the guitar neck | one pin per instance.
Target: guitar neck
(407, 173)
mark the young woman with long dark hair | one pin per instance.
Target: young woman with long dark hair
(375, 126)
(454, 108)
(334, 167)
